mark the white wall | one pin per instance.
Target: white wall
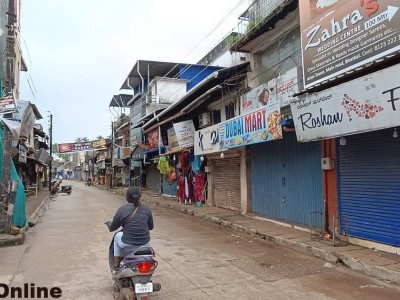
(168, 90)
(229, 59)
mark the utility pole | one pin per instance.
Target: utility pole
(112, 156)
(51, 149)
(8, 187)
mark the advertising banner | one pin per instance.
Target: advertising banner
(185, 133)
(82, 146)
(341, 35)
(280, 89)
(173, 144)
(154, 138)
(258, 126)
(207, 140)
(368, 103)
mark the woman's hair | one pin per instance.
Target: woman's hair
(133, 196)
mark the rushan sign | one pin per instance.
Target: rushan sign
(368, 103)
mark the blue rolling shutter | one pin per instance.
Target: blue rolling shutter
(369, 186)
(286, 180)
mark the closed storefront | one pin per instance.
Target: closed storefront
(226, 183)
(286, 180)
(369, 186)
(153, 180)
(169, 188)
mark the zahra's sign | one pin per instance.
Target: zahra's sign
(340, 35)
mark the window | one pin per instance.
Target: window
(229, 111)
(216, 116)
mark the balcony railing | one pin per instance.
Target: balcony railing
(258, 13)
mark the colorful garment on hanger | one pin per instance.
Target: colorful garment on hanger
(199, 185)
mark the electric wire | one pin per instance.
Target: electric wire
(27, 51)
(187, 67)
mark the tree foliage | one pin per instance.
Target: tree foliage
(60, 156)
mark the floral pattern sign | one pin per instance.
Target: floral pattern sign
(368, 103)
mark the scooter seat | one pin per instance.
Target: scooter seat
(66, 186)
(144, 251)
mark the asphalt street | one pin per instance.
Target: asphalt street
(67, 248)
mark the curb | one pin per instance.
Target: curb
(332, 257)
(13, 240)
(37, 211)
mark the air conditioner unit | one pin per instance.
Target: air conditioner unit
(204, 120)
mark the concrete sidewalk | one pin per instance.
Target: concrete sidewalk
(33, 206)
(374, 263)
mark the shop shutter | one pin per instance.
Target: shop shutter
(286, 181)
(153, 179)
(226, 177)
(369, 186)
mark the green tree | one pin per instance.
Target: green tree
(60, 156)
(80, 140)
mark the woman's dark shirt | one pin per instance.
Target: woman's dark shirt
(136, 231)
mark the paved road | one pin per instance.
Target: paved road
(197, 259)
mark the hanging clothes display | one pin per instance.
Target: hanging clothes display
(199, 182)
(181, 188)
(196, 164)
(185, 161)
(163, 165)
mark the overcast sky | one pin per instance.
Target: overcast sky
(79, 52)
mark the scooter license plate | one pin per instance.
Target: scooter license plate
(143, 287)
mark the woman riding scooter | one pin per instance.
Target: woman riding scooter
(136, 221)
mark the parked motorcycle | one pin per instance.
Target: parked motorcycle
(56, 187)
(133, 279)
(89, 182)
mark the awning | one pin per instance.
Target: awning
(176, 151)
(34, 160)
(197, 94)
(39, 132)
(155, 151)
(123, 126)
(121, 100)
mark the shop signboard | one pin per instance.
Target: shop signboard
(338, 36)
(7, 104)
(281, 89)
(136, 136)
(185, 133)
(43, 156)
(82, 146)
(22, 152)
(368, 103)
(254, 127)
(207, 140)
